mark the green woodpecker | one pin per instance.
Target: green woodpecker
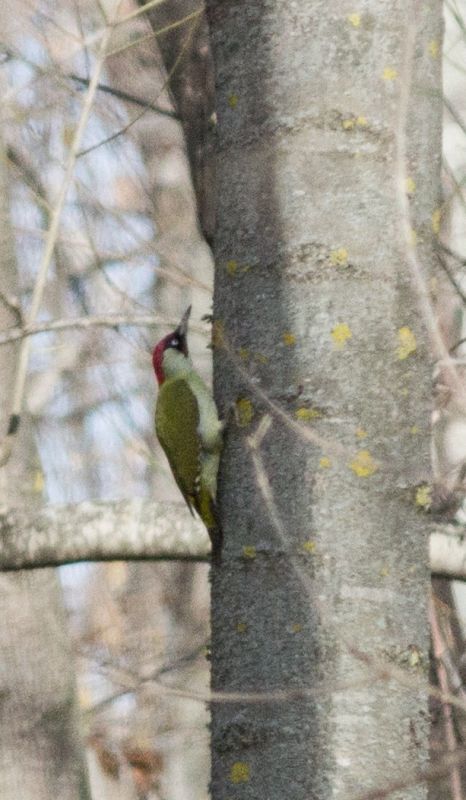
(188, 427)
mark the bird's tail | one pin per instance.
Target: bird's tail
(207, 510)
(216, 537)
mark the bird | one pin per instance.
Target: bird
(188, 428)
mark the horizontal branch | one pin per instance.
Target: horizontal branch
(447, 551)
(105, 321)
(136, 529)
(144, 529)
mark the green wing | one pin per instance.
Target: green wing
(176, 426)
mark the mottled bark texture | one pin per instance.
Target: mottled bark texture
(324, 574)
(141, 529)
(98, 531)
(40, 752)
(186, 54)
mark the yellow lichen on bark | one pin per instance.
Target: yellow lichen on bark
(354, 20)
(307, 414)
(339, 257)
(363, 465)
(340, 334)
(406, 343)
(410, 185)
(239, 772)
(244, 412)
(436, 220)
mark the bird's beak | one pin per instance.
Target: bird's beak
(182, 328)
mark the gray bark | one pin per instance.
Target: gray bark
(100, 531)
(186, 54)
(40, 752)
(146, 530)
(324, 573)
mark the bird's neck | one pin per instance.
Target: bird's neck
(175, 364)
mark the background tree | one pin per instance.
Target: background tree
(94, 422)
(41, 755)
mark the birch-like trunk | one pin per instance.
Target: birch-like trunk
(321, 592)
(40, 751)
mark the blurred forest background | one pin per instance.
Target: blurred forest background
(130, 242)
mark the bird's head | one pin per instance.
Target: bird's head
(175, 341)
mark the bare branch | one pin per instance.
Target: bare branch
(141, 10)
(104, 321)
(447, 551)
(136, 529)
(127, 97)
(165, 86)
(51, 240)
(12, 304)
(143, 529)
(179, 22)
(440, 650)
(448, 272)
(420, 283)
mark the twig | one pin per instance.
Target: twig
(50, 243)
(158, 32)
(452, 279)
(439, 648)
(454, 114)
(104, 321)
(12, 304)
(440, 350)
(127, 97)
(141, 10)
(165, 85)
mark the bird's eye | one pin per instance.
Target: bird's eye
(174, 342)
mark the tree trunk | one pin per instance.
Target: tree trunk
(187, 58)
(322, 587)
(40, 751)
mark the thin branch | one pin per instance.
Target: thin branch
(330, 446)
(458, 186)
(439, 348)
(127, 97)
(141, 10)
(135, 681)
(454, 114)
(28, 174)
(439, 648)
(451, 278)
(159, 32)
(456, 256)
(51, 240)
(81, 45)
(165, 86)
(12, 304)
(104, 321)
